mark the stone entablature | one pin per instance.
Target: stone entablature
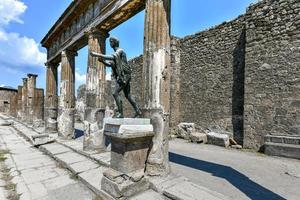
(69, 30)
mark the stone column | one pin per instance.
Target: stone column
(38, 107)
(95, 91)
(156, 71)
(24, 100)
(51, 101)
(31, 85)
(67, 95)
(19, 109)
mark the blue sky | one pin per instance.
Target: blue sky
(23, 24)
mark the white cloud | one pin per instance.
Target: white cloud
(80, 78)
(17, 51)
(2, 85)
(10, 10)
(108, 76)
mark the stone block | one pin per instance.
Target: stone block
(281, 149)
(129, 151)
(198, 137)
(218, 139)
(120, 185)
(184, 130)
(127, 125)
(43, 139)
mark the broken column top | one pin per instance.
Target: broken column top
(25, 80)
(32, 75)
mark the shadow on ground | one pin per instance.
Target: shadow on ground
(78, 133)
(237, 179)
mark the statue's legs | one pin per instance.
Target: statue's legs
(128, 96)
(118, 99)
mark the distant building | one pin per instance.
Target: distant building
(6, 94)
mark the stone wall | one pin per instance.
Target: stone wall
(272, 87)
(210, 63)
(136, 86)
(38, 105)
(241, 76)
(5, 97)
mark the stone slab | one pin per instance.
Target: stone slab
(54, 149)
(83, 166)
(148, 195)
(126, 129)
(285, 150)
(218, 139)
(69, 158)
(92, 179)
(189, 191)
(283, 139)
(127, 121)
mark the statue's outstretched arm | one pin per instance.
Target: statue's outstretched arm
(105, 57)
(108, 64)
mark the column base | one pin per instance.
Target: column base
(51, 120)
(66, 121)
(93, 129)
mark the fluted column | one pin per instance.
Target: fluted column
(67, 95)
(51, 101)
(156, 69)
(30, 97)
(24, 99)
(19, 109)
(95, 91)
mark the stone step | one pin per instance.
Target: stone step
(187, 190)
(148, 195)
(102, 158)
(281, 149)
(283, 139)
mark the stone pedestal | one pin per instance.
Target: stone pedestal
(131, 141)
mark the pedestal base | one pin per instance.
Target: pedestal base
(122, 186)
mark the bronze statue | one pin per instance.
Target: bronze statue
(122, 73)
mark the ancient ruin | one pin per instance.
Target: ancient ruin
(233, 85)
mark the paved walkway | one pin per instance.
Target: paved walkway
(236, 174)
(33, 174)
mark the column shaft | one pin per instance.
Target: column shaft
(51, 101)
(30, 96)
(156, 69)
(67, 95)
(95, 92)
(24, 99)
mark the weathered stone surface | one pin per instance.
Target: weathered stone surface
(218, 139)
(189, 191)
(149, 195)
(198, 137)
(120, 185)
(66, 123)
(129, 150)
(6, 95)
(184, 130)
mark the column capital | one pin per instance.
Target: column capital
(32, 75)
(95, 32)
(51, 64)
(24, 80)
(67, 52)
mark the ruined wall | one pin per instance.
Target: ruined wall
(272, 88)
(241, 76)
(13, 107)
(210, 65)
(5, 97)
(136, 86)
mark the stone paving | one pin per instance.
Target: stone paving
(209, 172)
(35, 175)
(237, 174)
